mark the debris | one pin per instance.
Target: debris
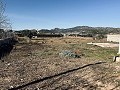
(8, 64)
(68, 53)
(11, 86)
(21, 79)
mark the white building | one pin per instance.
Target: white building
(113, 38)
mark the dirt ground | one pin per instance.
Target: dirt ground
(38, 66)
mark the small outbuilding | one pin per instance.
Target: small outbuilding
(113, 38)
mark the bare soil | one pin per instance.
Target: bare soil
(39, 67)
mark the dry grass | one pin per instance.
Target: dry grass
(36, 61)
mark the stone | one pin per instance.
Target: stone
(117, 59)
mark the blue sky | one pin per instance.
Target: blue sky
(48, 14)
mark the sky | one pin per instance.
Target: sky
(49, 14)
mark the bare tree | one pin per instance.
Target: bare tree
(4, 21)
(5, 25)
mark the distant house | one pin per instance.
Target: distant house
(34, 37)
(113, 38)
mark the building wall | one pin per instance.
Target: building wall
(113, 38)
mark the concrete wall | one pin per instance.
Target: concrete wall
(114, 38)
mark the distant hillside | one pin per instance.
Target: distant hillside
(79, 30)
(85, 29)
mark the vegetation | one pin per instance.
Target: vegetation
(84, 31)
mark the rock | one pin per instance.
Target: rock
(11, 86)
(116, 59)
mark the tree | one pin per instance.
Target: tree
(5, 25)
(4, 21)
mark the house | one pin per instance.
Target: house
(113, 37)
